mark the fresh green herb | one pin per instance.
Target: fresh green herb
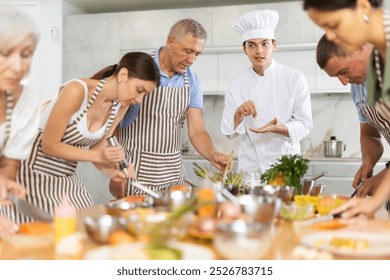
(292, 167)
(203, 172)
(227, 178)
(158, 249)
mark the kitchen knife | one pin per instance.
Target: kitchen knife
(322, 219)
(145, 189)
(30, 210)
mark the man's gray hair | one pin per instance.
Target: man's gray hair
(185, 26)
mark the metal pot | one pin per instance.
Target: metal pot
(333, 147)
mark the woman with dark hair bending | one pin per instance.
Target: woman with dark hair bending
(74, 127)
(351, 24)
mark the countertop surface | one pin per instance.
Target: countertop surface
(186, 156)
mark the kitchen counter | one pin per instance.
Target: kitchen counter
(339, 178)
(336, 159)
(287, 235)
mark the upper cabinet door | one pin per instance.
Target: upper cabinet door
(147, 30)
(222, 56)
(294, 25)
(91, 42)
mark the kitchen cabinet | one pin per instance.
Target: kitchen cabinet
(294, 25)
(92, 42)
(222, 57)
(45, 74)
(216, 67)
(340, 173)
(147, 30)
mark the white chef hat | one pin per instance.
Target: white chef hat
(257, 24)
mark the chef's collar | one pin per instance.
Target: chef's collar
(267, 71)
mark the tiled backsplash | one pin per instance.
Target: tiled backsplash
(333, 114)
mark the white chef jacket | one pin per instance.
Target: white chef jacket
(282, 93)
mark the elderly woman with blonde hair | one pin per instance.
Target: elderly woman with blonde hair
(19, 117)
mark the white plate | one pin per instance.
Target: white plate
(378, 243)
(135, 251)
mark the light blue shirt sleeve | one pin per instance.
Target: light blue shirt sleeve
(355, 94)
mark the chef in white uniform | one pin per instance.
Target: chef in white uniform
(267, 105)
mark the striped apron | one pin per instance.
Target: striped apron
(47, 179)
(381, 106)
(379, 65)
(153, 142)
(8, 118)
(375, 119)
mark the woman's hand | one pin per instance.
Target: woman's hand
(358, 207)
(113, 154)
(10, 186)
(7, 227)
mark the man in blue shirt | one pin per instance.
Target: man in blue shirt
(153, 141)
(352, 68)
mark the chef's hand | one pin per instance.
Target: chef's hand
(220, 160)
(7, 227)
(273, 127)
(248, 108)
(118, 189)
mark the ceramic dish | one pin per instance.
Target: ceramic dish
(134, 251)
(350, 243)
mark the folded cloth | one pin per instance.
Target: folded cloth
(130, 116)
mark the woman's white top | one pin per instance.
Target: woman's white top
(82, 125)
(24, 127)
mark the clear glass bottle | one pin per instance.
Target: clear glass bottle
(207, 197)
(65, 221)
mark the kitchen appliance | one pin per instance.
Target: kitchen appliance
(334, 147)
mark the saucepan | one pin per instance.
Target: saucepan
(333, 147)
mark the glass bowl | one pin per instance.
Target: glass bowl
(240, 240)
(100, 228)
(296, 211)
(260, 208)
(328, 202)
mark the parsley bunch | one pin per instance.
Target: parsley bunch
(292, 167)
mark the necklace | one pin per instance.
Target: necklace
(378, 69)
